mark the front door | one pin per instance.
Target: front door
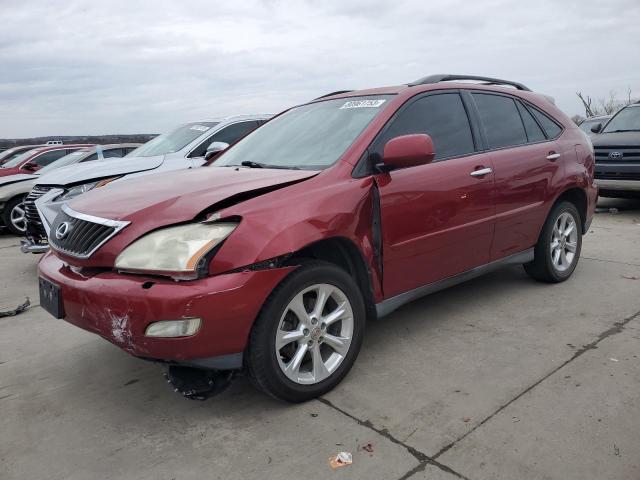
(437, 220)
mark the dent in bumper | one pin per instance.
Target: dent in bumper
(120, 307)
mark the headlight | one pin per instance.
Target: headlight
(73, 192)
(175, 250)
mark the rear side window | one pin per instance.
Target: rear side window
(551, 127)
(502, 123)
(441, 116)
(534, 132)
(47, 157)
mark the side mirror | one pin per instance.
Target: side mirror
(596, 128)
(31, 167)
(214, 149)
(407, 151)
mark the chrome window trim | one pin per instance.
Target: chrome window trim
(117, 226)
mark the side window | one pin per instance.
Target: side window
(113, 153)
(501, 120)
(534, 132)
(230, 135)
(551, 127)
(443, 117)
(90, 158)
(48, 157)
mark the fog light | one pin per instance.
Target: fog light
(174, 328)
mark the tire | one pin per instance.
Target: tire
(554, 260)
(268, 367)
(10, 215)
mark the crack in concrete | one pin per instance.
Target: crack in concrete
(615, 329)
(423, 459)
(9, 246)
(611, 261)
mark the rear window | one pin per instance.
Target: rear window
(501, 120)
(550, 127)
(534, 132)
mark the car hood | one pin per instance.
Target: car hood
(172, 197)
(17, 177)
(619, 139)
(84, 172)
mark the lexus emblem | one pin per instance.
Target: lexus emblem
(62, 230)
(616, 155)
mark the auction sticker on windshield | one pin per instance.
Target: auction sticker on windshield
(363, 104)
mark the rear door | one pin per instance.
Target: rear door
(525, 160)
(437, 219)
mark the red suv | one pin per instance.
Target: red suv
(334, 212)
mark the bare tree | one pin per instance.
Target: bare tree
(604, 106)
(586, 102)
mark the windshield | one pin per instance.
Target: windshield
(173, 141)
(18, 160)
(70, 159)
(310, 137)
(627, 119)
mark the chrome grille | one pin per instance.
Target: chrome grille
(79, 235)
(34, 222)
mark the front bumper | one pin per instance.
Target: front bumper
(119, 308)
(619, 185)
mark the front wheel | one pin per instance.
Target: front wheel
(558, 248)
(308, 333)
(14, 216)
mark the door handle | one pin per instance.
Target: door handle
(553, 156)
(481, 172)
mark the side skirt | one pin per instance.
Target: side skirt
(390, 304)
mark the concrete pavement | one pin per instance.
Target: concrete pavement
(501, 377)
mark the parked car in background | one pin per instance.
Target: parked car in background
(14, 212)
(36, 158)
(617, 150)
(339, 210)
(187, 146)
(13, 152)
(587, 123)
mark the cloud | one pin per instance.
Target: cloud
(83, 67)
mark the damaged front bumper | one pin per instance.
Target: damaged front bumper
(30, 246)
(120, 307)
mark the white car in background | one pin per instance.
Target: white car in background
(14, 188)
(188, 146)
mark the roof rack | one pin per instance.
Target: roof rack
(445, 77)
(337, 92)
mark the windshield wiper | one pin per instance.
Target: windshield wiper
(624, 130)
(251, 164)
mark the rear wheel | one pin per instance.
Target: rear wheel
(308, 334)
(14, 216)
(558, 248)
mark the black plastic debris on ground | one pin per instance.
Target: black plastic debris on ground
(18, 310)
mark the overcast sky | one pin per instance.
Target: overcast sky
(86, 67)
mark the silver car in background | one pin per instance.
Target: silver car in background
(188, 146)
(14, 188)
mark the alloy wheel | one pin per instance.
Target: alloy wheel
(314, 334)
(18, 218)
(564, 242)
